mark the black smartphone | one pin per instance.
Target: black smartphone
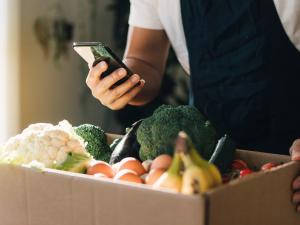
(95, 52)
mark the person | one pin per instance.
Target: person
(242, 57)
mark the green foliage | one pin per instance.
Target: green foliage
(96, 140)
(157, 133)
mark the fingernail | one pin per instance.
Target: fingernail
(135, 78)
(122, 72)
(142, 81)
(296, 184)
(296, 158)
(296, 155)
(102, 64)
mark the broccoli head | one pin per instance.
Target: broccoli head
(157, 133)
(96, 141)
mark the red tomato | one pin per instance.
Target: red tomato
(238, 164)
(245, 172)
(268, 166)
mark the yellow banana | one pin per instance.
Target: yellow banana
(199, 161)
(195, 179)
(216, 174)
(171, 179)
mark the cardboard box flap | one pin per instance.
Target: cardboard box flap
(13, 209)
(257, 159)
(62, 198)
(267, 194)
(32, 197)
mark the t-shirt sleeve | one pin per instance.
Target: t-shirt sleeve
(144, 14)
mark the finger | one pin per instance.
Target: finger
(296, 197)
(296, 143)
(123, 101)
(296, 184)
(108, 81)
(122, 89)
(90, 65)
(103, 89)
(94, 75)
(295, 150)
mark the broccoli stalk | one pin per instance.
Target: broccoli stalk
(156, 134)
(96, 141)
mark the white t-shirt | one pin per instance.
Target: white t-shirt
(166, 15)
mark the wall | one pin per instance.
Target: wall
(9, 68)
(51, 91)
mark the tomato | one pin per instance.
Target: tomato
(245, 172)
(268, 166)
(238, 164)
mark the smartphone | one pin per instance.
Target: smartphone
(95, 52)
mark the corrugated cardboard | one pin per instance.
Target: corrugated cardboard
(33, 197)
(263, 198)
(52, 197)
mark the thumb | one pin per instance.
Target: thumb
(295, 150)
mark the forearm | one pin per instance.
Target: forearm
(146, 55)
(150, 75)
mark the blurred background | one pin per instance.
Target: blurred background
(43, 80)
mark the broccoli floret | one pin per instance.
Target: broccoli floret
(157, 133)
(96, 141)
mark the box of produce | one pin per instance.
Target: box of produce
(167, 169)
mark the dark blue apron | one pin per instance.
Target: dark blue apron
(245, 72)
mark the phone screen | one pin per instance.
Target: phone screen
(95, 52)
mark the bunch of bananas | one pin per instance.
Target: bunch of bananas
(189, 173)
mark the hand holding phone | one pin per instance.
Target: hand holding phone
(95, 52)
(111, 81)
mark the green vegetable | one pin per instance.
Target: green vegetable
(128, 145)
(96, 141)
(157, 133)
(114, 144)
(74, 163)
(223, 154)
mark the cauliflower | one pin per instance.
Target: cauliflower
(55, 146)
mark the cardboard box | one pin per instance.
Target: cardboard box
(32, 197)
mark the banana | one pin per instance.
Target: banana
(199, 161)
(171, 179)
(195, 180)
(216, 174)
(199, 175)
